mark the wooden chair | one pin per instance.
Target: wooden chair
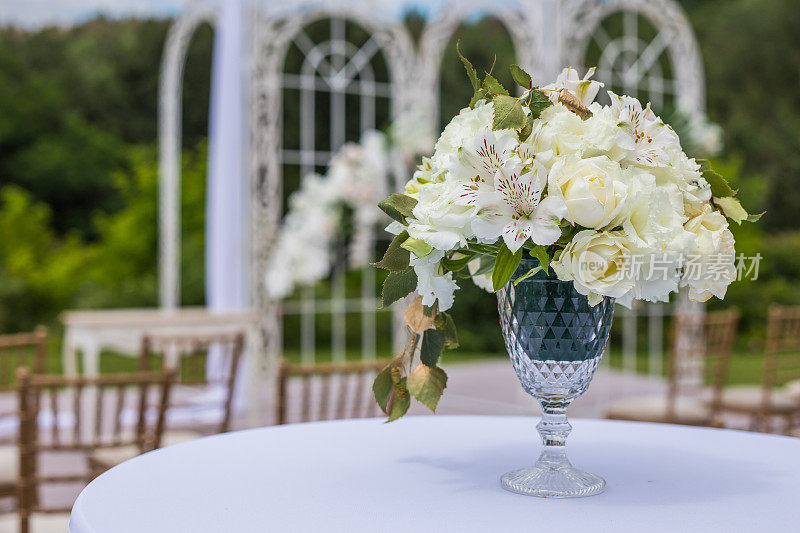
(116, 396)
(26, 350)
(706, 339)
(341, 390)
(186, 355)
(775, 398)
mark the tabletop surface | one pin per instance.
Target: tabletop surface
(439, 473)
(152, 316)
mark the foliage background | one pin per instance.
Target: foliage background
(78, 171)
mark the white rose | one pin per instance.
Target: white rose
(712, 268)
(463, 126)
(591, 188)
(685, 173)
(438, 219)
(600, 133)
(597, 263)
(563, 131)
(656, 215)
(707, 228)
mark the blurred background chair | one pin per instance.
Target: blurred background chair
(706, 339)
(203, 399)
(26, 350)
(778, 396)
(327, 391)
(145, 393)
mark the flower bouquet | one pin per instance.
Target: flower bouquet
(562, 206)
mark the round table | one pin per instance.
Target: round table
(441, 473)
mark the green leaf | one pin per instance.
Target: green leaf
(432, 346)
(480, 94)
(427, 385)
(456, 264)
(398, 206)
(402, 400)
(528, 274)
(446, 324)
(732, 208)
(492, 86)
(539, 102)
(472, 74)
(540, 252)
(522, 78)
(398, 285)
(486, 265)
(504, 266)
(719, 186)
(756, 217)
(383, 386)
(508, 113)
(527, 129)
(396, 257)
(419, 247)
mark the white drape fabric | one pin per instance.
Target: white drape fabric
(227, 191)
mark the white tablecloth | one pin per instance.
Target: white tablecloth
(434, 473)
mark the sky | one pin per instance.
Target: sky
(34, 13)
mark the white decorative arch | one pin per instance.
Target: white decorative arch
(547, 35)
(169, 137)
(582, 21)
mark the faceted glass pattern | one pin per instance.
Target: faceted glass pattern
(555, 340)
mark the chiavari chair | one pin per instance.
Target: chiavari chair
(187, 354)
(146, 393)
(775, 399)
(326, 391)
(27, 350)
(706, 340)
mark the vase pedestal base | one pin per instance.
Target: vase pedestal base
(553, 482)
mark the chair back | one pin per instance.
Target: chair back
(782, 347)
(26, 350)
(51, 422)
(327, 391)
(188, 355)
(705, 340)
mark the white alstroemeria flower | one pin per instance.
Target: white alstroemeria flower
(584, 88)
(539, 146)
(516, 211)
(479, 159)
(641, 133)
(438, 219)
(592, 189)
(431, 284)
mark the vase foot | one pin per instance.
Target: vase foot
(553, 482)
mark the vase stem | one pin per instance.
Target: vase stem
(554, 426)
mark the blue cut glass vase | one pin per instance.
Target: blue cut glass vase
(555, 340)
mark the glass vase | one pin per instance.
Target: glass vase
(555, 340)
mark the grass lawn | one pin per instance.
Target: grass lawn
(745, 367)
